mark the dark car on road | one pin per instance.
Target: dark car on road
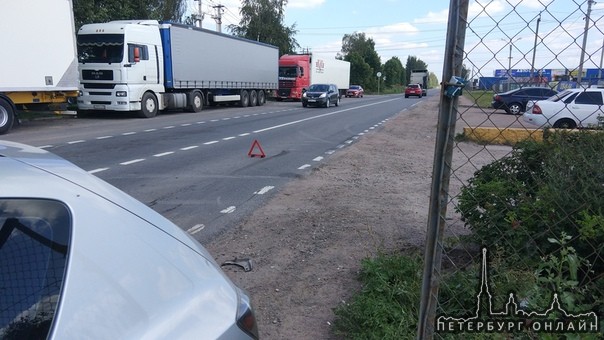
(321, 95)
(514, 101)
(355, 91)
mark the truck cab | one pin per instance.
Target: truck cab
(294, 76)
(118, 63)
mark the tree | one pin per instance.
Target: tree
(360, 52)
(432, 80)
(414, 63)
(262, 20)
(393, 70)
(90, 11)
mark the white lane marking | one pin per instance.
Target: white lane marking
(132, 161)
(227, 118)
(228, 210)
(330, 152)
(150, 130)
(169, 127)
(304, 166)
(104, 137)
(200, 123)
(189, 147)
(340, 146)
(361, 133)
(244, 134)
(128, 133)
(97, 170)
(76, 141)
(45, 146)
(214, 120)
(349, 141)
(264, 190)
(186, 124)
(212, 142)
(195, 229)
(236, 117)
(320, 116)
(228, 138)
(163, 154)
(318, 159)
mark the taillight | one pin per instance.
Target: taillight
(497, 98)
(536, 110)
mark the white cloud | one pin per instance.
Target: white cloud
(304, 4)
(484, 7)
(441, 17)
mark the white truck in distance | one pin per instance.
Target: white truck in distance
(147, 66)
(39, 68)
(420, 77)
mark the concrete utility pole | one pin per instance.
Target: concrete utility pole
(587, 19)
(535, 48)
(199, 16)
(218, 17)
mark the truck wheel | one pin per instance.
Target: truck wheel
(261, 98)
(253, 98)
(244, 99)
(195, 101)
(148, 106)
(7, 116)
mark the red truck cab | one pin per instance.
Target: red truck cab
(294, 76)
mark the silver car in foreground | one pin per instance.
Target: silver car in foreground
(80, 259)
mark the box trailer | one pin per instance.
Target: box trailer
(298, 71)
(38, 67)
(148, 66)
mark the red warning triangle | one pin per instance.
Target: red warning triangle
(256, 145)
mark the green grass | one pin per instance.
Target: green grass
(481, 98)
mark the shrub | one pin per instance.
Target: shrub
(541, 191)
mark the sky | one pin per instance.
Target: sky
(418, 28)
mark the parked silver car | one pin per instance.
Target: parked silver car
(80, 259)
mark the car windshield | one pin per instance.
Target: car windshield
(353, 87)
(559, 96)
(413, 86)
(318, 88)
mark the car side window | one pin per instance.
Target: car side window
(589, 97)
(34, 244)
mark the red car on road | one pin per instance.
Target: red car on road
(413, 90)
(355, 91)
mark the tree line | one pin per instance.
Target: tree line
(262, 20)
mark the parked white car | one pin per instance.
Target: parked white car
(80, 259)
(572, 108)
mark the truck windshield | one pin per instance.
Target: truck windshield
(290, 72)
(101, 48)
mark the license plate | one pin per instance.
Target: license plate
(311, 100)
(99, 107)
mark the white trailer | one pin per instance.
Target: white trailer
(327, 69)
(420, 77)
(38, 66)
(148, 66)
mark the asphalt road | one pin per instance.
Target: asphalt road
(194, 168)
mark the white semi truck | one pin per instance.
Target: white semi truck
(38, 63)
(147, 66)
(420, 77)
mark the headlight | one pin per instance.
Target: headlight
(246, 320)
(121, 93)
(323, 95)
(304, 94)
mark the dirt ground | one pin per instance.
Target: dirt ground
(307, 243)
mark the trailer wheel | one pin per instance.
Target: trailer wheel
(195, 101)
(7, 116)
(245, 99)
(253, 98)
(148, 106)
(261, 98)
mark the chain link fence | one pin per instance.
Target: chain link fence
(516, 225)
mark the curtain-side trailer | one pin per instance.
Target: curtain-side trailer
(148, 66)
(38, 66)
